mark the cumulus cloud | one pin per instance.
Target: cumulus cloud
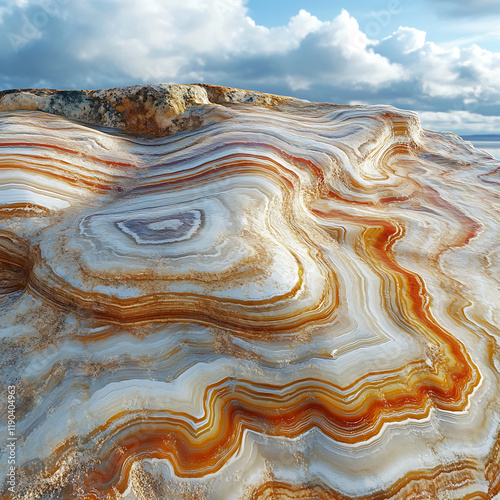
(334, 54)
(402, 42)
(63, 44)
(178, 41)
(469, 74)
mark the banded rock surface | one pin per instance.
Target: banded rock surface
(209, 293)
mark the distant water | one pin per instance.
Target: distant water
(492, 147)
(490, 143)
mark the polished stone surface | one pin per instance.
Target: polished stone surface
(208, 293)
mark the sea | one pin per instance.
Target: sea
(490, 144)
(491, 147)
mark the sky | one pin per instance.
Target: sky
(440, 58)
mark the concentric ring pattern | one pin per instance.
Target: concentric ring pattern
(208, 293)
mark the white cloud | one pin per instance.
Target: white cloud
(469, 74)
(115, 42)
(304, 23)
(464, 122)
(403, 41)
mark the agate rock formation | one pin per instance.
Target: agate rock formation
(208, 293)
